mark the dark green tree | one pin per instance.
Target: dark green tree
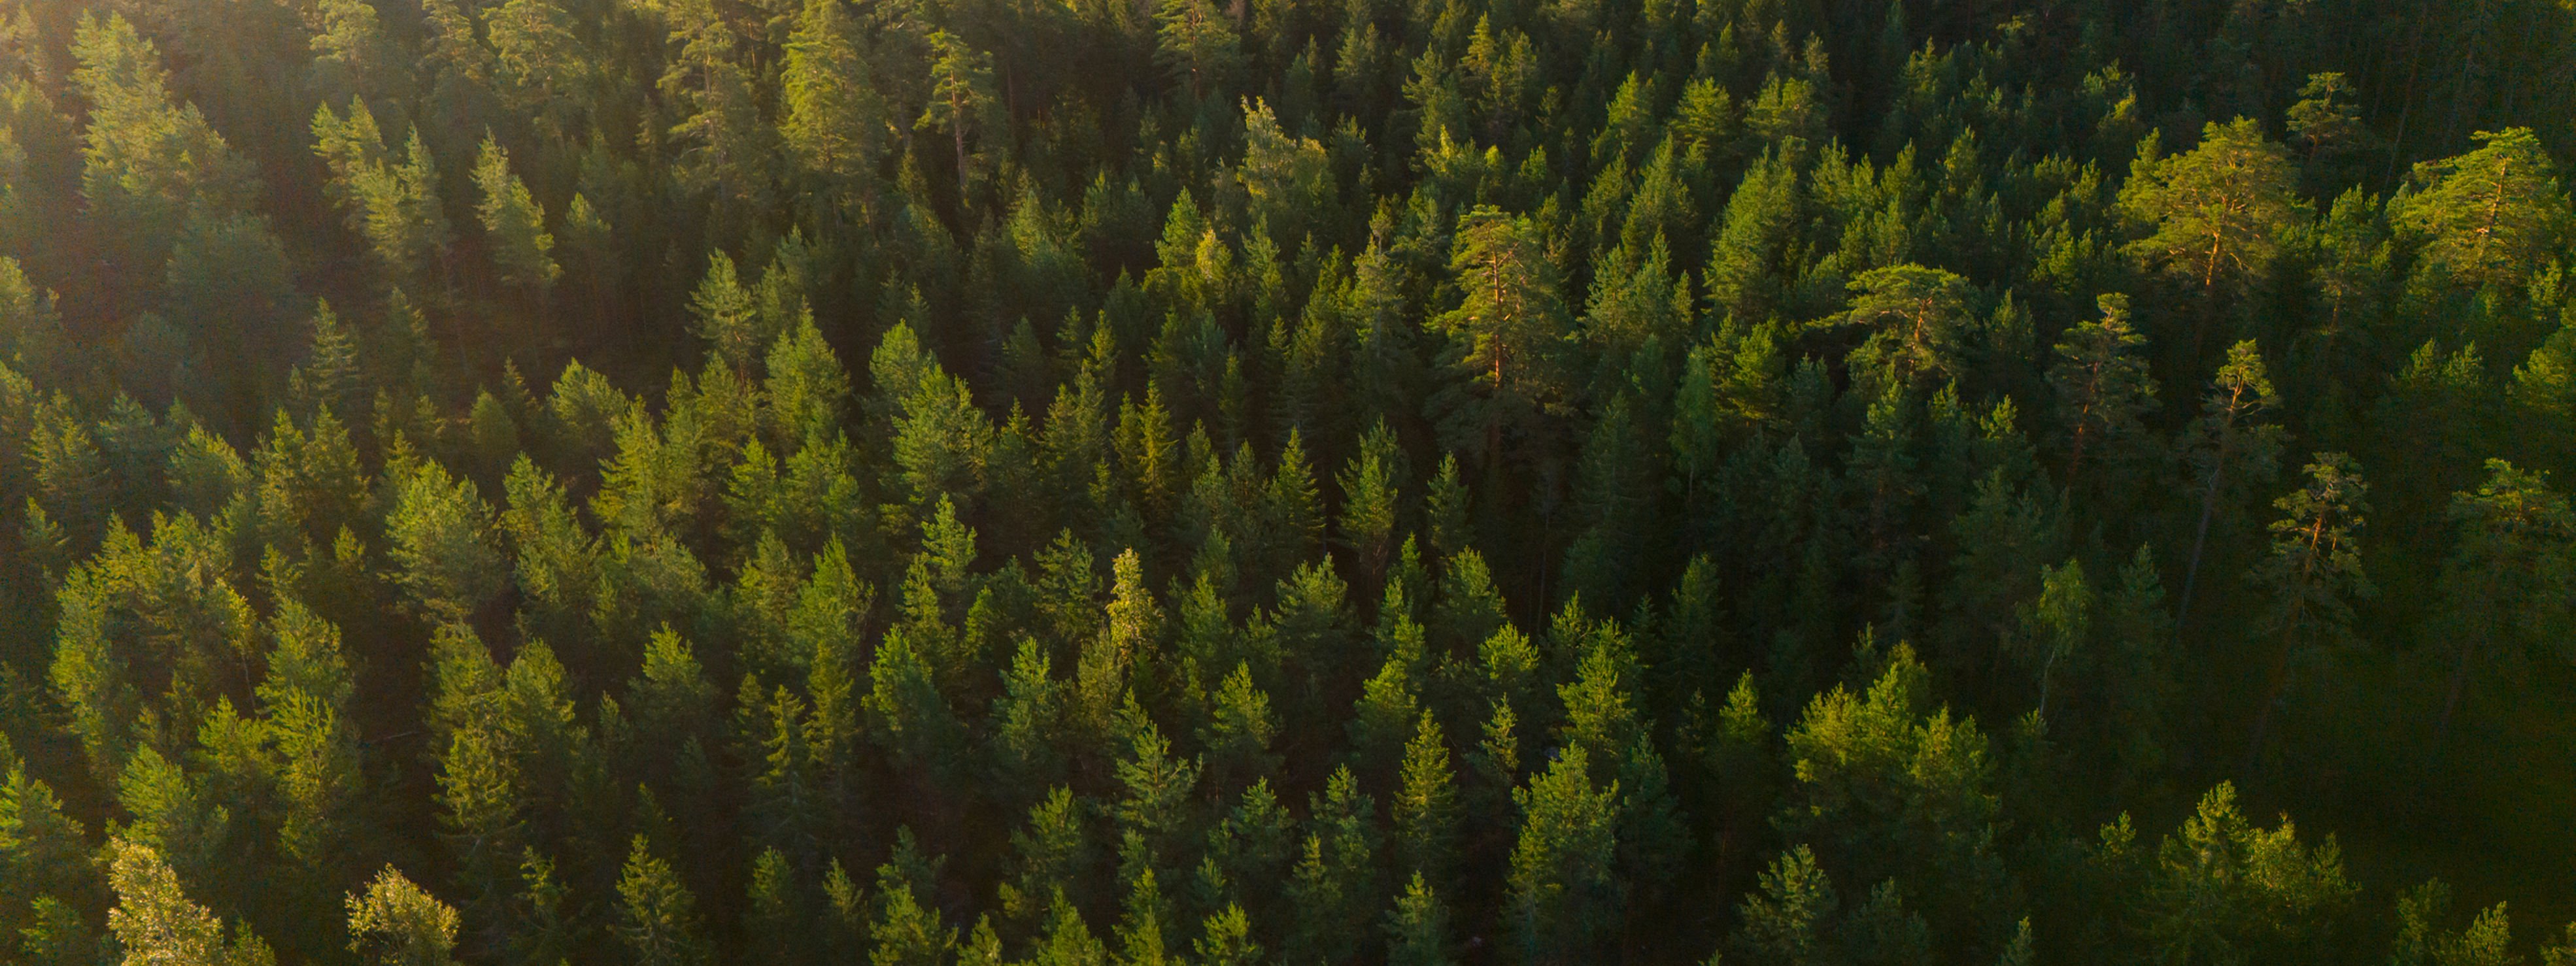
(2311, 574)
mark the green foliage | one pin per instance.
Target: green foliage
(2485, 217)
(2217, 211)
(1417, 482)
(513, 225)
(2222, 890)
(397, 924)
(156, 922)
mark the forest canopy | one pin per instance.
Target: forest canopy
(1778, 482)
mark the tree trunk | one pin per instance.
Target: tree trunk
(2451, 699)
(2199, 541)
(2273, 684)
(2279, 677)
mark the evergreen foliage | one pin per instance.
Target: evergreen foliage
(600, 482)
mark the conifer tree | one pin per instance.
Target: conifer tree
(2229, 438)
(512, 223)
(1425, 806)
(1418, 927)
(2102, 386)
(657, 917)
(961, 93)
(1787, 922)
(2311, 573)
(2222, 889)
(2510, 578)
(1503, 332)
(149, 161)
(540, 66)
(906, 932)
(156, 922)
(2486, 216)
(832, 118)
(440, 531)
(1563, 896)
(2217, 211)
(397, 924)
(1914, 315)
(305, 707)
(1226, 939)
(1196, 42)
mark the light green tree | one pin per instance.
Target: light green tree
(513, 224)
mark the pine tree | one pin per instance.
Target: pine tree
(1226, 939)
(46, 852)
(2311, 573)
(305, 707)
(1744, 277)
(440, 530)
(1503, 332)
(2102, 386)
(1158, 789)
(391, 202)
(1372, 486)
(353, 58)
(149, 161)
(1195, 41)
(2222, 890)
(1334, 889)
(2229, 438)
(1418, 928)
(905, 932)
(328, 377)
(1786, 924)
(1914, 315)
(1425, 806)
(2421, 941)
(483, 820)
(2509, 580)
(539, 63)
(1239, 733)
(725, 316)
(32, 338)
(1140, 930)
(2486, 217)
(961, 93)
(2324, 121)
(2218, 211)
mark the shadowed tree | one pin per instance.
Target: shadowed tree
(961, 93)
(2230, 447)
(2511, 576)
(2311, 573)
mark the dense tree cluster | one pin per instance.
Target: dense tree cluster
(591, 482)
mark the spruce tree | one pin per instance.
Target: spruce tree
(513, 225)
(397, 924)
